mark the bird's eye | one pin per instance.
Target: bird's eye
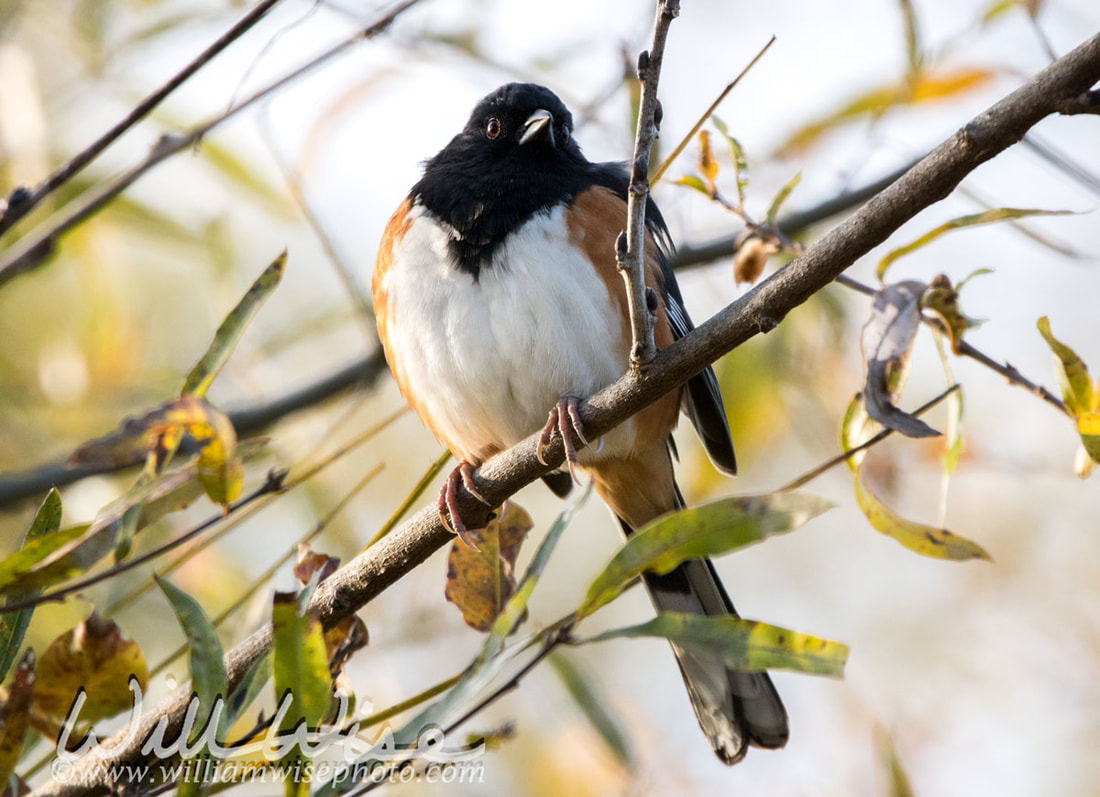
(565, 135)
(492, 130)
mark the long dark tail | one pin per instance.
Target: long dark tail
(734, 709)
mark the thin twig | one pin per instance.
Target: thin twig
(706, 114)
(28, 200)
(246, 421)
(630, 247)
(366, 576)
(31, 253)
(812, 474)
(687, 257)
(965, 349)
(271, 486)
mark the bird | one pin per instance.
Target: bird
(500, 306)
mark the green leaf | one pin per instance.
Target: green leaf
(737, 153)
(997, 8)
(978, 272)
(231, 329)
(777, 203)
(300, 665)
(595, 709)
(249, 688)
(744, 645)
(1073, 375)
(206, 657)
(925, 540)
(692, 181)
(913, 48)
(961, 222)
(708, 530)
(15, 569)
(13, 625)
(516, 607)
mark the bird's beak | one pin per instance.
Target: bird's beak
(541, 122)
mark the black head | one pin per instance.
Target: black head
(514, 158)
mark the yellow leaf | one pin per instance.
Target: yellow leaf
(925, 540)
(924, 87)
(708, 166)
(94, 657)
(480, 582)
(1073, 375)
(1088, 426)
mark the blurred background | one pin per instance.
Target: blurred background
(984, 678)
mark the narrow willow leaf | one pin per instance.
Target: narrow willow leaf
(887, 340)
(855, 430)
(13, 625)
(986, 217)
(207, 662)
(925, 540)
(15, 568)
(250, 687)
(1073, 375)
(708, 166)
(595, 708)
(708, 530)
(978, 272)
(781, 197)
(693, 181)
(300, 665)
(927, 86)
(516, 607)
(997, 8)
(913, 47)
(231, 329)
(745, 645)
(740, 162)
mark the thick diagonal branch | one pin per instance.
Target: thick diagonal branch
(929, 181)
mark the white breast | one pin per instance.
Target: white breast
(488, 359)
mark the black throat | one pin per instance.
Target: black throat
(483, 199)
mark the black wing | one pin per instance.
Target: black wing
(702, 401)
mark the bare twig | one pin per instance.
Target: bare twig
(706, 114)
(687, 257)
(32, 252)
(813, 473)
(26, 201)
(630, 247)
(759, 310)
(965, 349)
(272, 485)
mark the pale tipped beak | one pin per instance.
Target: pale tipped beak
(541, 122)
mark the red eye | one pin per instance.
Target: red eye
(492, 130)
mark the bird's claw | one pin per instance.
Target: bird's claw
(447, 504)
(565, 420)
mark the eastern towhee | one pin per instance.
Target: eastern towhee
(498, 300)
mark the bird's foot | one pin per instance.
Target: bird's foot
(566, 421)
(448, 501)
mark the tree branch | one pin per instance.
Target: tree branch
(381, 565)
(32, 252)
(630, 247)
(246, 421)
(21, 202)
